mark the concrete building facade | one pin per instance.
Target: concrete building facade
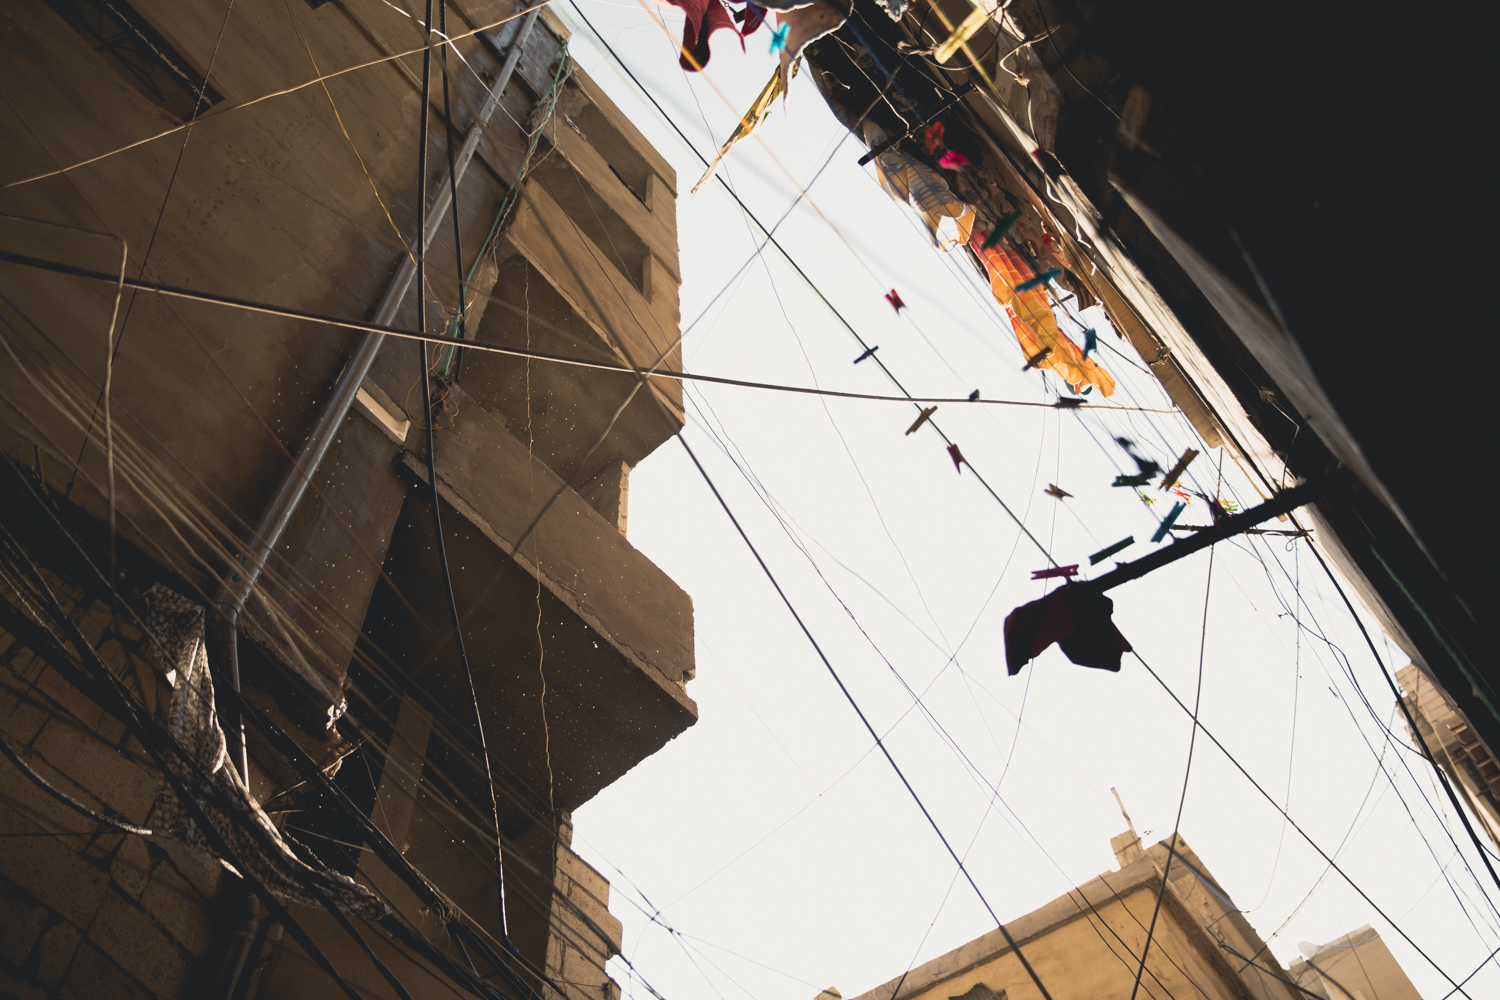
(1088, 943)
(1358, 966)
(244, 464)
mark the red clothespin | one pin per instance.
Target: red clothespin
(957, 457)
(894, 298)
(953, 161)
(933, 137)
(1047, 574)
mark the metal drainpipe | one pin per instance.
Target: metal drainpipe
(223, 632)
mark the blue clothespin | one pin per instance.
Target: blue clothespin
(778, 38)
(1140, 480)
(1090, 341)
(1168, 521)
(1041, 279)
(869, 352)
(974, 396)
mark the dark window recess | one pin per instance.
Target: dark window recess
(627, 185)
(157, 70)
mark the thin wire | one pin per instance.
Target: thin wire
(1014, 945)
(1310, 842)
(280, 93)
(1187, 773)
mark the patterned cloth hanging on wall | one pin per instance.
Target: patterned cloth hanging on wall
(947, 218)
(1033, 322)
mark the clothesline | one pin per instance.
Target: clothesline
(298, 314)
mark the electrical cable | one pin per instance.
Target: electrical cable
(1010, 940)
(1310, 842)
(437, 516)
(1187, 773)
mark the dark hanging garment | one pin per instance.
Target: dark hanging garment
(704, 17)
(1076, 618)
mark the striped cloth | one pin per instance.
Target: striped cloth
(947, 219)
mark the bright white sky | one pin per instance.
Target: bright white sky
(772, 839)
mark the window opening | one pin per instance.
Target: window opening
(115, 29)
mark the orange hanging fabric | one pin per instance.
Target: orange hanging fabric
(1033, 322)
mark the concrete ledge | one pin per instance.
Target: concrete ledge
(484, 473)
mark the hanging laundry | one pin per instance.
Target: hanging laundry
(1039, 280)
(1137, 480)
(1053, 490)
(958, 457)
(1033, 322)
(1055, 571)
(808, 24)
(1002, 226)
(1177, 470)
(1168, 521)
(1037, 359)
(948, 220)
(894, 298)
(1090, 342)
(932, 137)
(778, 38)
(704, 17)
(750, 19)
(1103, 554)
(1075, 617)
(952, 160)
(869, 352)
(749, 123)
(974, 396)
(922, 418)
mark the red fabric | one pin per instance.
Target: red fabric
(957, 457)
(704, 17)
(1074, 617)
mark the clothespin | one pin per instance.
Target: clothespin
(957, 457)
(1041, 279)
(974, 396)
(953, 161)
(1148, 468)
(1187, 497)
(1140, 480)
(1053, 490)
(1068, 403)
(1002, 226)
(1168, 521)
(869, 352)
(1103, 554)
(778, 38)
(1037, 359)
(1090, 341)
(894, 298)
(1055, 571)
(1178, 469)
(925, 416)
(1148, 501)
(932, 138)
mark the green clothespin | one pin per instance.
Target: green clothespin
(1138, 480)
(1103, 554)
(1002, 227)
(1168, 521)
